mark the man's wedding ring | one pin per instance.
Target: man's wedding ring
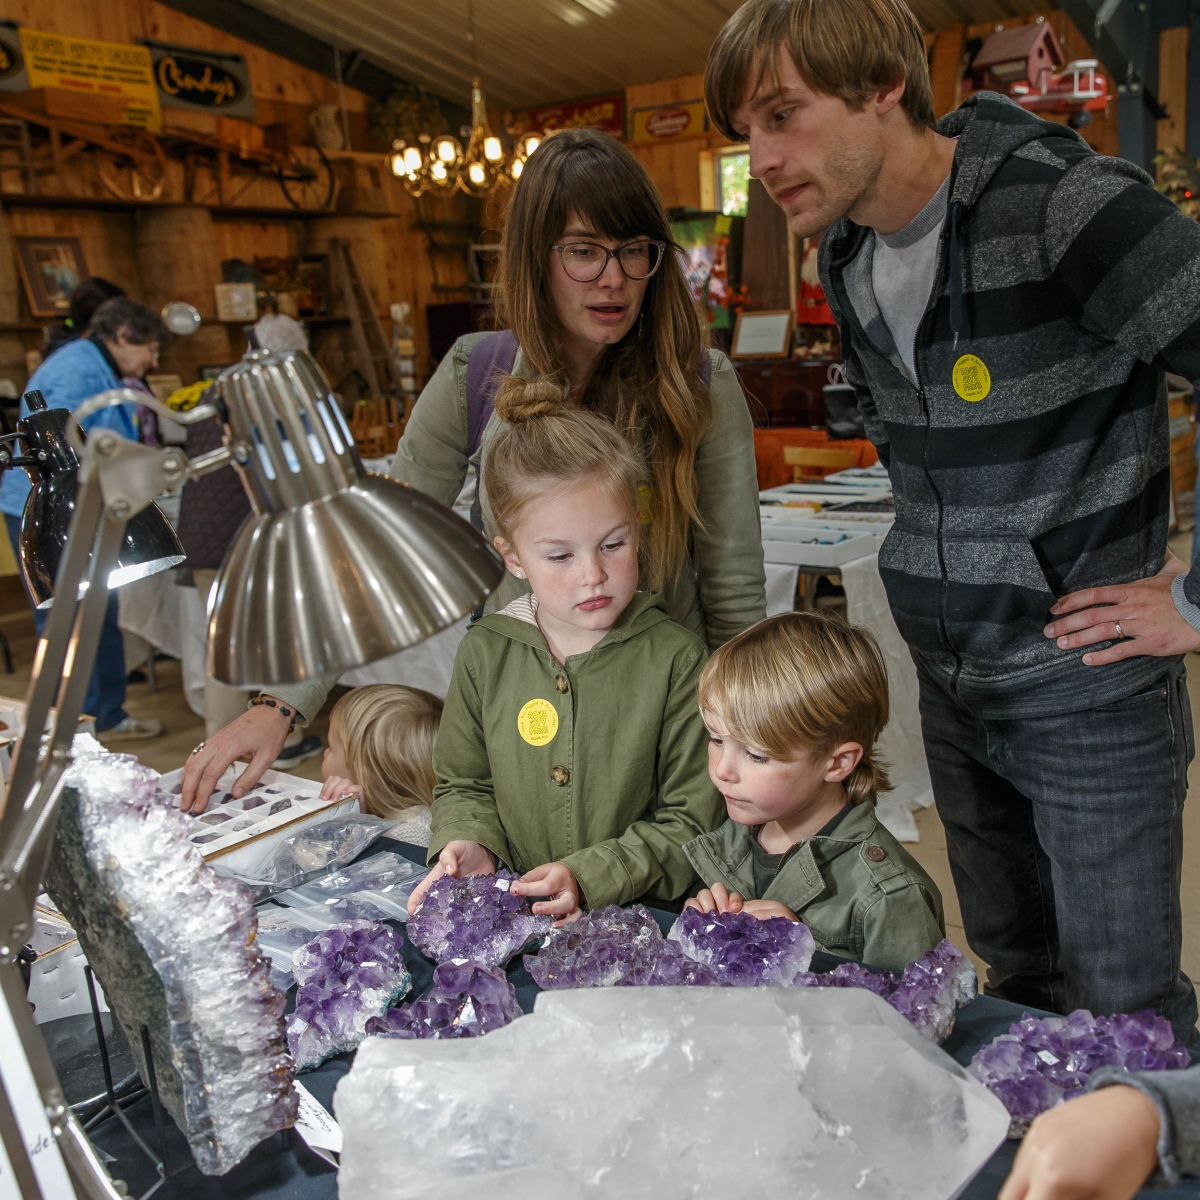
(1116, 626)
(198, 748)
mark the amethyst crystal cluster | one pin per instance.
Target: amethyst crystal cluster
(347, 975)
(744, 951)
(928, 993)
(1041, 1062)
(476, 918)
(466, 1000)
(613, 947)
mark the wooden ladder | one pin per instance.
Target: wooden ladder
(373, 358)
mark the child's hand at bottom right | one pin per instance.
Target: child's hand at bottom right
(457, 858)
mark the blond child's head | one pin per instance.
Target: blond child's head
(562, 489)
(381, 737)
(803, 694)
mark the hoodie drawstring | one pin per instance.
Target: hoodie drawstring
(958, 308)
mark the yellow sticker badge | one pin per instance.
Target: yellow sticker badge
(971, 378)
(537, 722)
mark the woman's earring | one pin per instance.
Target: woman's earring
(641, 321)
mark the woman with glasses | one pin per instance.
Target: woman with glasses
(592, 294)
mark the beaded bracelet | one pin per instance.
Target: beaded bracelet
(284, 711)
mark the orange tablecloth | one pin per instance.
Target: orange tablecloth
(769, 444)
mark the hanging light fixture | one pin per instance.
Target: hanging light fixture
(440, 164)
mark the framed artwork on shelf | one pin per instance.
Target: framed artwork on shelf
(51, 267)
(763, 335)
(236, 302)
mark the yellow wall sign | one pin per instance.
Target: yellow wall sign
(668, 123)
(95, 68)
(537, 722)
(971, 378)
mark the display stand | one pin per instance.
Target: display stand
(123, 1095)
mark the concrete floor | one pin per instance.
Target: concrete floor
(184, 729)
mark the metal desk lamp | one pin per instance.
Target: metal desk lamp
(369, 567)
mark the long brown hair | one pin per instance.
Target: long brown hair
(649, 383)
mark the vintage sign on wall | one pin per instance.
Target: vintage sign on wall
(112, 69)
(668, 123)
(12, 61)
(201, 80)
(606, 113)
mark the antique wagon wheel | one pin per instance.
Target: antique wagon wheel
(132, 165)
(306, 185)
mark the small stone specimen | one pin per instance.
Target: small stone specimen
(347, 975)
(744, 951)
(174, 947)
(660, 1093)
(1040, 1062)
(929, 993)
(466, 1000)
(476, 918)
(278, 807)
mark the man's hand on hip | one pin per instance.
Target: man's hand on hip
(1138, 618)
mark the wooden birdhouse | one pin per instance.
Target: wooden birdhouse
(1023, 54)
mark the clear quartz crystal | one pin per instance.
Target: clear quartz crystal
(666, 1093)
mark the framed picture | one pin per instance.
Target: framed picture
(236, 302)
(51, 267)
(763, 335)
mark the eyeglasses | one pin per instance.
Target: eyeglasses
(586, 261)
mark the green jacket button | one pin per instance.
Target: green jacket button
(876, 853)
(560, 682)
(561, 776)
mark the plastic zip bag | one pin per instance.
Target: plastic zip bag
(376, 889)
(281, 932)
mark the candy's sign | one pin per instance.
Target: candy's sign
(606, 113)
(202, 80)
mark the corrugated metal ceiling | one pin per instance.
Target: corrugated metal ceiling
(534, 52)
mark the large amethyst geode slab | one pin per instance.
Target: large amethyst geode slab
(476, 918)
(466, 1000)
(347, 975)
(1040, 1062)
(744, 951)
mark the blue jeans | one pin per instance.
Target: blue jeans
(1065, 838)
(105, 698)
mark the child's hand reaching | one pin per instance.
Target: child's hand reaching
(337, 787)
(716, 899)
(764, 910)
(458, 858)
(559, 883)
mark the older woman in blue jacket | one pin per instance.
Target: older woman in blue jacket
(122, 340)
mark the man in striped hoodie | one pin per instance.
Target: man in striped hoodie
(1008, 301)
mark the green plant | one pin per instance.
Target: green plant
(1179, 180)
(406, 114)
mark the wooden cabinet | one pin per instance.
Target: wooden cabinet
(785, 392)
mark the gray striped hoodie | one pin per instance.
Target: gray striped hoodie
(1030, 456)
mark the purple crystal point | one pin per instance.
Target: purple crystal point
(347, 975)
(605, 947)
(1040, 1062)
(466, 1000)
(852, 974)
(744, 951)
(933, 988)
(476, 918)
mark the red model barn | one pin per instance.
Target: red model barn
(1025, 53)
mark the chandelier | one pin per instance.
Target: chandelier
(441, 165)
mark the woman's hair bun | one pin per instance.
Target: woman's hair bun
(519, 400)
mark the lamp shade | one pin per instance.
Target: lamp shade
(150, 544)
(335, 568)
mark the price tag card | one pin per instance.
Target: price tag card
(316, 1126)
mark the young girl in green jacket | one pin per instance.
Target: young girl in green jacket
(571, 749)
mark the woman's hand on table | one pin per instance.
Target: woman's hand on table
(1102, 1146)
(716, 899)
(457, 858)
(557, 881)
(257, 736)
(336, 787)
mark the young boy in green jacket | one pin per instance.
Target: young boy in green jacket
(793, 708)
(570, 748)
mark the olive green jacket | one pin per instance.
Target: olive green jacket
(723, 589)
(859, 891)
(613, 777)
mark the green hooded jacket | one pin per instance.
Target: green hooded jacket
(859, 891)
(600, 763)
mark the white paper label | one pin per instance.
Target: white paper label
(315, 1125)
(26, 1103)
(1047, 1057)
